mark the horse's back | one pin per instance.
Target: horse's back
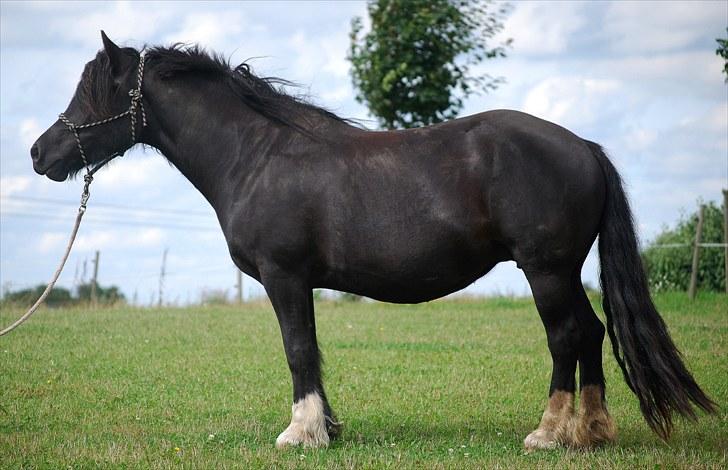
(518, 180)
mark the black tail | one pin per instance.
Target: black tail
(650, 362)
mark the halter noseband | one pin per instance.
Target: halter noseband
(136, 102)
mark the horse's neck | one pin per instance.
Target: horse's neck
(211, 142)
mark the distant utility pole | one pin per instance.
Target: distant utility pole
(94, 300)
(75, 278)
(162, 273)
(239, 285)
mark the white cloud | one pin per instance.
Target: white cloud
(29, 131)
(96, 240)
(118, 239)
(326, 52)
(10, 185)
(695, 67)
(647, 27)
(126, 173)
(121, 20)
(570, 101)
(148, 237)
(216, 31)
(50, 241)
(639, 139)
(717, 119)
(541, 28)
(337, 94)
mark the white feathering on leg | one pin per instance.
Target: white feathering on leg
(308, 424)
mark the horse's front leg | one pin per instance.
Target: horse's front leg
(313, 423)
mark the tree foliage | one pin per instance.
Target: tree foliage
(61, 297)
(416, 64)
(104, 295)
(722, 51)
(669, 268)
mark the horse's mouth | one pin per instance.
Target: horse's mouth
(57, 171)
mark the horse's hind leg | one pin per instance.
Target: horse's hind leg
(553, 296)
(593, 426)
(574, 334)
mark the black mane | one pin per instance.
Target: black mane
(265, 95)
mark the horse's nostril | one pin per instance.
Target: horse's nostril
(34, 151)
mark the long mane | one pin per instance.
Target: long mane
(265, 95)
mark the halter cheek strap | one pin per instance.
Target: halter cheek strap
(135, 95)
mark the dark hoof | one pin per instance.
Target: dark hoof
(333, 427)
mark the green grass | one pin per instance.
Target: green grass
(449, 384)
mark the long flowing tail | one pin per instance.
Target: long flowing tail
(650, 362)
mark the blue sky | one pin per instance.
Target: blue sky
(641, 78)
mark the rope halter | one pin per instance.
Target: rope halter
(136, 103)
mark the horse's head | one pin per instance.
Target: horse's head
(106, 90)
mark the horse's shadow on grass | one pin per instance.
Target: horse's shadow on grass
(633, 437)
(380, 431)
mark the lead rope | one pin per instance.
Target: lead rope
(136, 101)
(49, 288)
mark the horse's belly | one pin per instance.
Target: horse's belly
(413, 276)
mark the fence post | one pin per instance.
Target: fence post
(94, 299)
(239, 286)
(162, 273)
(725, 235)
(696, 254)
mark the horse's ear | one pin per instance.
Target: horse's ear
(117, 58)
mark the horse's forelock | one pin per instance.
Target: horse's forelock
(95, 91)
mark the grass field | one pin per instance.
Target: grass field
(449, 384)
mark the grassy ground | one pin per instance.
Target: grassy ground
(454, 384)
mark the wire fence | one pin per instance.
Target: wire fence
(689, 245)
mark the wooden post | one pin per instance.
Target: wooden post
(725, 235)
(162, 273)
(94, 300)
(696, 254)
(239, 286)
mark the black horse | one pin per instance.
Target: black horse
(307, 200)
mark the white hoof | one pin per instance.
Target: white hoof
(308, 424)
(541, 439)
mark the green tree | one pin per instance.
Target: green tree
(58, 297)
(104, 295)
(61, 297)
(415, 66)
(723, 52)
(669, 268)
